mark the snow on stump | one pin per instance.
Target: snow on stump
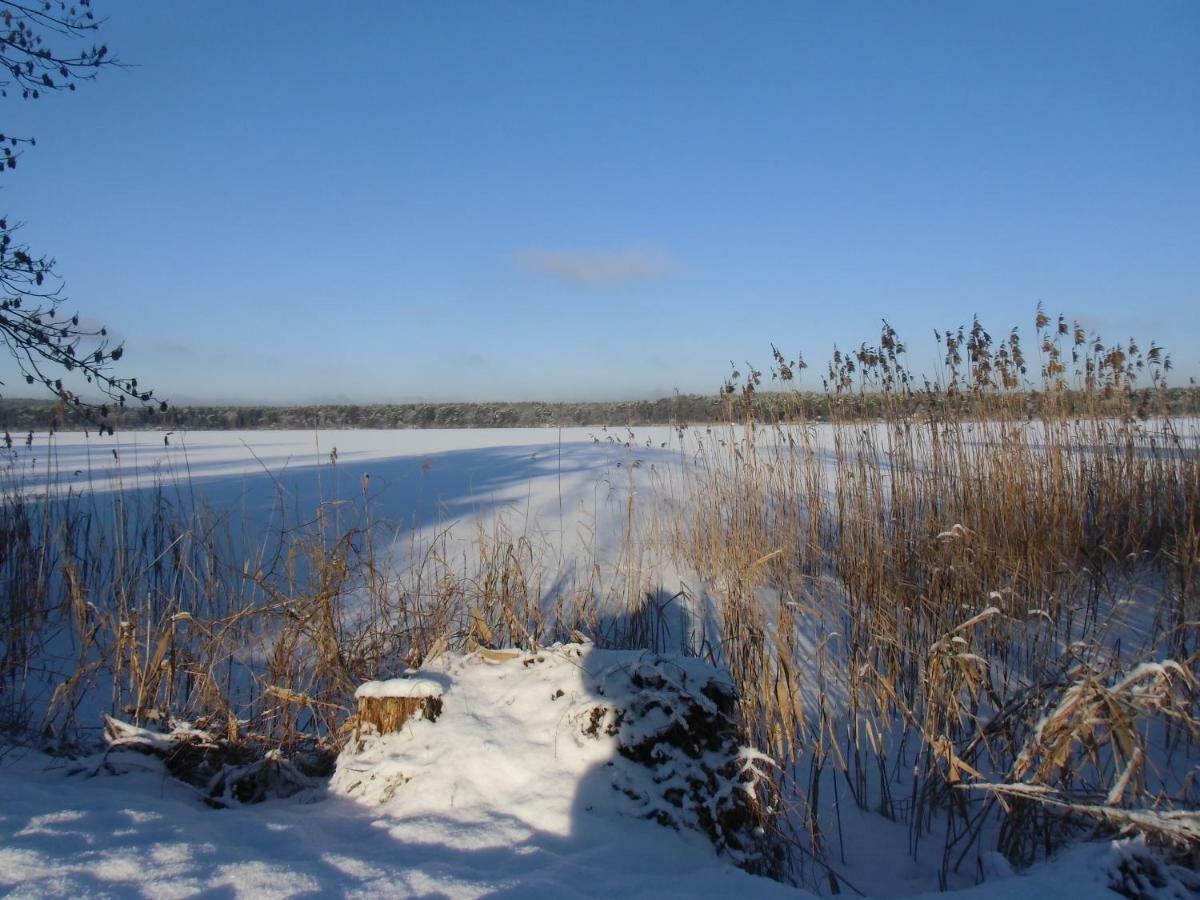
(384, 706)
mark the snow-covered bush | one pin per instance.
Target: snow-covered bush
(227, 773)
(683, 760)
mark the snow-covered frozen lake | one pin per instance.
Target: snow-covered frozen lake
(564, 487)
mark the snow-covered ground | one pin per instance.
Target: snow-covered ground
(508, 793)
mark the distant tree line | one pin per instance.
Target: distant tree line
(22, 416)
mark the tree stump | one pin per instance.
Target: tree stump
(384, 706)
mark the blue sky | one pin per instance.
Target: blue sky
(562, 200)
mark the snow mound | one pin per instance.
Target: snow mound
(1136, 872)
(568, 739)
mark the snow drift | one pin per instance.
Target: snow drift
(563, 739)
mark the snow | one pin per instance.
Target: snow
(565, 489)
(411, 687)
(506, 794)
(555, 739)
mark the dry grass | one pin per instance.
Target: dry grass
(147, 605)
(949, 594)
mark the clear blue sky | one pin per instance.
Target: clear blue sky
(563, 200)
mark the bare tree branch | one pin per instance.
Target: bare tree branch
(41, 337)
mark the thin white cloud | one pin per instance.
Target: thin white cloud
(597, 268)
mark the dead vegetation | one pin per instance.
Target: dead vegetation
(227, 772)
(977, 622)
